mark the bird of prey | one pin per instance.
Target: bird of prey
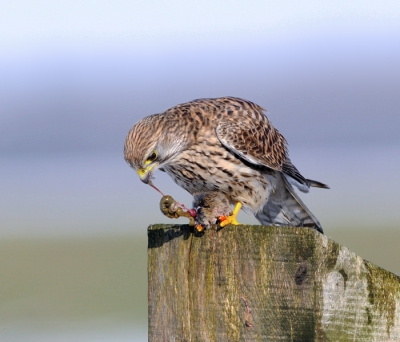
(228, 146)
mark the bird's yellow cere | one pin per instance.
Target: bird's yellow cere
(143, 172)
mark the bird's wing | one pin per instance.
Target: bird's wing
(294, 176)
(248, 133)
(253, 138)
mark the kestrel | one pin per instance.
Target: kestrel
(227, 146)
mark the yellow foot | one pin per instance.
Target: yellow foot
(225, 220)
(199, 228)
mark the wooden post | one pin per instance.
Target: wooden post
(256, 283)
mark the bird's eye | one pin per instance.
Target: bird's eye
(152, 157)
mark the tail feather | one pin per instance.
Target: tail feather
(316, 184)
(285, 208)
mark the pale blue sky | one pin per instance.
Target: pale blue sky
(31, 22)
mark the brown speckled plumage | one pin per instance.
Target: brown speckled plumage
(225, 145)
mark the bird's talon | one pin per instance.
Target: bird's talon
(229, 220)
(199, 228)
(222, 218)
(232, 218)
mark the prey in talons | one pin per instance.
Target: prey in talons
(172, 209)
(210, 208)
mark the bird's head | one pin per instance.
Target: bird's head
(150, 144)
(147, 166)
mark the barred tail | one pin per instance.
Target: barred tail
(285, 208)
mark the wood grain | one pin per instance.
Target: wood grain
(256, 283)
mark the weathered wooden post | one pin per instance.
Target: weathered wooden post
(256, 283)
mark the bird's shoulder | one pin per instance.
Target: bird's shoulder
(214, 110)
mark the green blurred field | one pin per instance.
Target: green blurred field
(73, 283)
(59, 281)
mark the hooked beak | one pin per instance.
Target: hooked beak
(145, 177)
(145, 174)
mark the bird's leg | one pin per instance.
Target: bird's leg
(225, 220)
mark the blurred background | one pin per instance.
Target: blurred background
(76, 75)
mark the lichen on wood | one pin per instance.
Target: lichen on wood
(256, 283)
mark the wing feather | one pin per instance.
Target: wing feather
(254, 139)
(248, 133)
